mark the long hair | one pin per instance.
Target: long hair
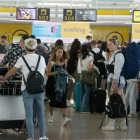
(104, 46)
(75, 47)
(64, 57)
(84, 51)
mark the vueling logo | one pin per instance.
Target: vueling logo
(75, 29)
(137, 16)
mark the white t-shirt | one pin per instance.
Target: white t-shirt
(32, 61)
(85, 63)
(97, 50)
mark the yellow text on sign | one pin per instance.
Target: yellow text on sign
(136, 16)
(74, 30)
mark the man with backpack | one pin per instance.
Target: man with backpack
(33, 67)
(98, 60)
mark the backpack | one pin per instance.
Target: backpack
(72, 65)
(39, 50)
(116, 108)
(100, 65)
(35, 80)
(132, 61)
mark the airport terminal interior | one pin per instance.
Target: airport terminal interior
(90, 32)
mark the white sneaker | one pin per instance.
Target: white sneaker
(132, 115)
(66, 121)
(108, 128)
(69, 104)
(122, 127)
(50, 120)
(43, 138)
(30, 139)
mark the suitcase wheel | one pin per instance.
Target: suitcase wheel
(78, 109)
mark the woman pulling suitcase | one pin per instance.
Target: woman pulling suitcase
(117, 81)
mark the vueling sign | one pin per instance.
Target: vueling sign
(74, 30)
(136, 16)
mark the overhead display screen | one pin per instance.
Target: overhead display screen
(26, 13)
(86, 15)
(43, 14)
(68, 14)
(136, 16)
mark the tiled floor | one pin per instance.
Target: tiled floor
(82, 127)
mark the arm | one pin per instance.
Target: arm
(10, 73)
(119, 62)
(49, 68)
(1, 65)
(90, 64)
(69, 76)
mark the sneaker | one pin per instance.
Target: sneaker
(29, 139)
(43, 138)
(66, 121)
(121, 127)
(69, 104)
(132, 115)
(50, 120)
(108, 128)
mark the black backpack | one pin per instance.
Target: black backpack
(100, 65)
(35, 80)
(116, 108)
(72, 65)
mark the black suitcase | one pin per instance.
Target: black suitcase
(97, 101)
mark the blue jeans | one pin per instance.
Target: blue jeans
(85, 93)
(38, 100)
(100, 81)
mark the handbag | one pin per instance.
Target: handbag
(88, 77)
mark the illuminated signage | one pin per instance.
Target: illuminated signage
(136, 16)
(86, 15)
(69, 15)
(44, 14)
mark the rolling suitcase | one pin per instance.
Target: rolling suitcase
(78, 96)
(97, 101)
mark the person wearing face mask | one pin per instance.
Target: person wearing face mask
(57, 60)
(117, 81)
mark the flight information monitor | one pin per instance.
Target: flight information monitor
(26, 14)
(86, 15)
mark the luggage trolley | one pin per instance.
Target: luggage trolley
(12, 112)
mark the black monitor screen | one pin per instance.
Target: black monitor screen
(86, 15)
(26, 13)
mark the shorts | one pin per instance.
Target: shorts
(120, 86)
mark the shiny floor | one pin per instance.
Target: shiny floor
(82, 127)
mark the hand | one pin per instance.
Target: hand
(56, 72)
(69, 76)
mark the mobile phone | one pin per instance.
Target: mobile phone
(107, 50)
